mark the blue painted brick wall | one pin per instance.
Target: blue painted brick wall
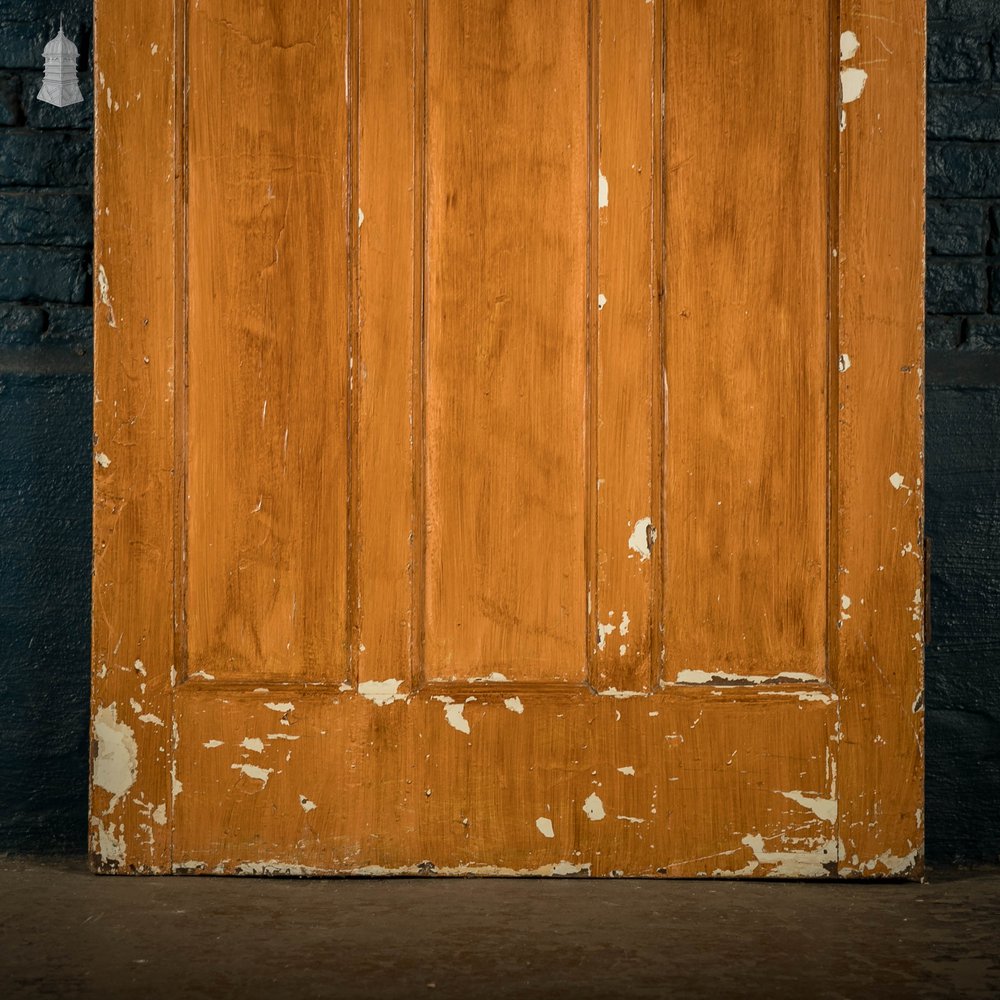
(45, 432)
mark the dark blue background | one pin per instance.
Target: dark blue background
(45, 429)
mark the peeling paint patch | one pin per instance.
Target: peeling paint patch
(102, 460)
(852, 83)
(544, 825)
(253, 743)
(615, 693)
(260, 774)
(630, 819)
(602, 300)
(514, 705)
(844, 362)
(642, 535)
(307, 804)
(849, 45)
(102, 277)
(110, 847)
(593, 807)
(454, 717)
(897, 480)
(149, 717)
(602, 190)
(116, 761)
(283, 707)
(628, 769)
(492, 678)
(381, 692)
(825, 809)
(815, 863)
(722, 677)
(212, 744)
(276, 868)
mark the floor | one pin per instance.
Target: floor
(67, 933)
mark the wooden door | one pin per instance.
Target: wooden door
(508, 437)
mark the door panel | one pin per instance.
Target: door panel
(491, 471)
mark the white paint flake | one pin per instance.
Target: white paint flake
(625, 622)
(852, 83)
(116, 761)
(824, 809)
(149, 717)
(642, 535)
(603, 631)
(615, 693)
(381, 692)
(260, 774)
(630, 819)
(544, 825)
(102, 460)
(593, 807)
(454, 717)
(514, 704)
(897, 480)
(361, 217)
(602, 190)
(628, 769)
(492, 678)
(602, 300)
(844, 362)
(722, 677)
(307, 804)
(253, 743)
(849, 45)
(204, 675)
(139, 668)
(102, 277)
(794, 864)
(283, 707)
(212, 744)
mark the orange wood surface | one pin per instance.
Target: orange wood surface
(594, 547)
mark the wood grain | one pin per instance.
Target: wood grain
(418, 301)
(747, 257)
(506, 335)
(267, 340)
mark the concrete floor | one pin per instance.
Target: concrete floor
(67, 933)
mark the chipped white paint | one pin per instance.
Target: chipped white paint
(792, 864)
(204, 675)
(159, 814)
(102, 460)
(514, 704)
(721, 677)
(150, 718)
(852, 83)
(615, 693)
(282, 707)
(260, 774)
(824, 808)
(544, 825)
(361, 217)
(102, 277)
(153, 49)
(282, 736)
(212, 744)
(625, 622)
(307, 804)
(381, 692)
(893, 864)
(628, 769)
(642, 535)
(275, 867)
(116, 761)
(593, 807)
(602, 300)
(630, 819)
(110, 847)
(453, 714)
(897, 480)
(492, 678)
(139, 668)
(603, 631)
(849, 45)
(844, 362)
(253, 743)
(602, 190)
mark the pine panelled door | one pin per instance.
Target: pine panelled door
(508, 438)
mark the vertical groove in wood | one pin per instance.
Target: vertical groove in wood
(135, 219)
(625, 345)
(418, 667)
(879, 669)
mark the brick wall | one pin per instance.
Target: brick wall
(46, 173)
(963, 428)
(45, 393)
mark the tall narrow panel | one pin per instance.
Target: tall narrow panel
(267, 347)
(747, 132)
(505, 352)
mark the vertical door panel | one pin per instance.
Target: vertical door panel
(746, 341)
(267, 340)
(506, 328)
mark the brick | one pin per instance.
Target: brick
(994, 279)
(44, 274)
(971, 12)
(69, 324)
(963, 170)
(20, 325)
(10, 100)
(961, 113)
(45, 159)
(957, 229)
(38, 114)
(983, 334)
(955, 286)
(26, 25)
(942, 333)
(957, 58)
(46, 216)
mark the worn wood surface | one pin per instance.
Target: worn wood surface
(594, 545)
